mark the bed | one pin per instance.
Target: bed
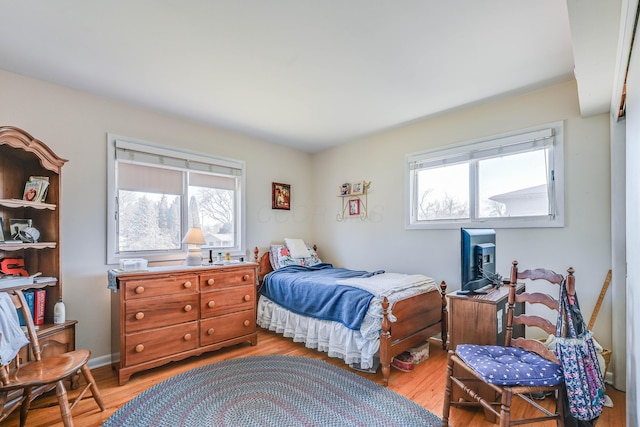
(305, 299)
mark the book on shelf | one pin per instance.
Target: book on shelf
(36, 188)
(29, 297)
(40, 296)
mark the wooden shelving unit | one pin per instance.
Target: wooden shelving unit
(22, 156)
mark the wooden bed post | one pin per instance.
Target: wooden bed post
(385, 343)
(445, 315)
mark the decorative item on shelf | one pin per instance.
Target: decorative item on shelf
(357, 188)
(35, 190)
(30, 235)
(280, 196)
(345, 189)
(59, 312)
(13, 266)
(194, 237)
(16, 225)
(24, 231)
(1, 230)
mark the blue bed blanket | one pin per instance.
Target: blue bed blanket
(313, 292)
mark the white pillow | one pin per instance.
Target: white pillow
(297, 248)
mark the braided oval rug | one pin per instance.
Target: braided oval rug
(270, 391)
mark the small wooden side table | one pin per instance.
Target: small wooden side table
(481, 319)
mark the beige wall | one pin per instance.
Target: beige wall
(75, 124)
(382, 241)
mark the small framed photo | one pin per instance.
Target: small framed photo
(16, 226)
(280, 196)
(345, 189)
(354, 207)
(1, 230)
(357, 187)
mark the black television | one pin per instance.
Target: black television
(478, 259)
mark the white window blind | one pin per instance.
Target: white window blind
(509, 180)
(157, 192)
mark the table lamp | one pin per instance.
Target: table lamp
(194, 237)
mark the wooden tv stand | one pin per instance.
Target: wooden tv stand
(481, 319)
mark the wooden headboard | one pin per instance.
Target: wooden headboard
(264, 264)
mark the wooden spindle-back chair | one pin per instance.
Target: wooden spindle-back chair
(31, 376)
(522, 367)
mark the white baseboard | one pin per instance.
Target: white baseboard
(608, 378)
(97, 362)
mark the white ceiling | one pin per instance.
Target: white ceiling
(317, 73)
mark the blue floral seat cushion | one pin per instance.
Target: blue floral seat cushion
(510, 366)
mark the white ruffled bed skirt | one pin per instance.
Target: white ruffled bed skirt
(333, 338)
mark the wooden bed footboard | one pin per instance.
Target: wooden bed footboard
(418, 318)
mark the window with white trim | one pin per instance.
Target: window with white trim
(156, 193)
(506, 181)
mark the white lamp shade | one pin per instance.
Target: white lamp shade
(194, 237)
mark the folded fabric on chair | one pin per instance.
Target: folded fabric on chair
(12, 338)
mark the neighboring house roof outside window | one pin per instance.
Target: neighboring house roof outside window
(527, 201)
(218, 239)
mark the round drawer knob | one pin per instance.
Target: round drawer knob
(211, 303)
(247, 323)
(210, 331)
(139, 290)
(210, 281)
(247, 297)
(140, 315)
(187, 307)
(139, 348)
(187, 284)
(187, 337)
(245, 277)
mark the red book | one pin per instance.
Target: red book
(38, 306)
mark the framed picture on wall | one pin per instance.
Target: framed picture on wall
(280, 196)
(354, 207)
(357, 187)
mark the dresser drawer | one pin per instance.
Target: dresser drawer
(227, 300)
(148, 313)
(157, 343)
(164, 285)
(222, 328)
(226, 278)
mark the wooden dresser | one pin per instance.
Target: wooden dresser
(170, 313)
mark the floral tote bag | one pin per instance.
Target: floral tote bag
(577, 354)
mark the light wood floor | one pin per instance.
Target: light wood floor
(425, 386)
